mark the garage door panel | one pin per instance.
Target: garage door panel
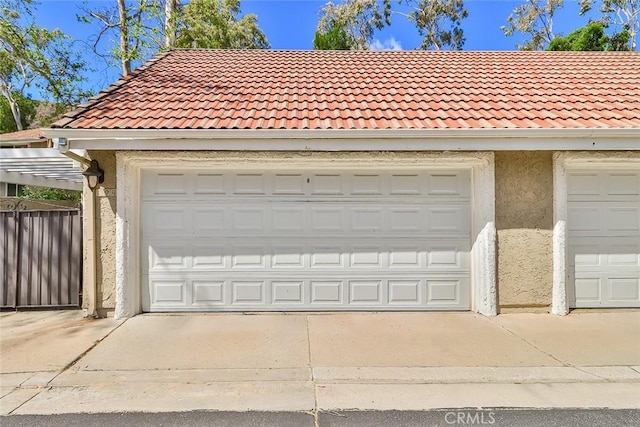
(365, 292)
(595, 254)
(289, 219)
(249, 256)
(170, 184)
(326, 292)
(207, 256)
(327, 257)
(209, 220)
(584, 219)
(366, 219)
(583, 184)
(370, 184)
(625, 256)
(289, 257)
(167, 219)
(603, 186)
(407, 257)
(604, 290)
(445, 183)
(209, 183)
(305, 218)
(406, 292)
(423, 255)
(288, 292)
(604, 238)
(443, 292)
(245, 292)
(289, 184)
(169, 293)
(366, 257)
(305, 240)
(623, 184)
(447, 219)
(249, 183)
(588, 291)
(169, 257)
(276, 294)
(208, 293)
(595, 219)
(624, 289)
(624, 219)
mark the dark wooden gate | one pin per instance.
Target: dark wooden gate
(40, 258)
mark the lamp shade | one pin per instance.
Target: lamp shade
(94, 175)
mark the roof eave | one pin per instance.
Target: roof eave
(350, 139)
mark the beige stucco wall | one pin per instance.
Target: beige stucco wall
(106, 233)
(524, 223)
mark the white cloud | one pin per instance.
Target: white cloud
(389, 44)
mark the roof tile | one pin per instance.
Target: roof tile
(257, 89)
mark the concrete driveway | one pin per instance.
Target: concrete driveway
(57, 362)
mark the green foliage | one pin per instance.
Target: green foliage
(535, 19)
(591, 37)
(357, 19)
(439, 22)
(27, 113)
(215, 24)
(622, 40)
(624, 14)
(335, 38)
(134, 29)
(43, 193)
(35, 57)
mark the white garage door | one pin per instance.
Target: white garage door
(303, 240)
(604, 238)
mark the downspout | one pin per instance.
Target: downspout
(90, 238)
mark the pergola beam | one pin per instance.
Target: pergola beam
(43, 167)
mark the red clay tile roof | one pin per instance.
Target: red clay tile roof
(23, 135)
(266, 89)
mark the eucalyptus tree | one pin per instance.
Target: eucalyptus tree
(36, 58)
(623, 14)
(439, 22)
(354, 20)
(218, 24)
(534, 18)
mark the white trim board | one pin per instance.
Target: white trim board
(563, 161)
(346, 139)
(130, 165)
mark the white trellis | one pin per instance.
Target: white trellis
(43, 167)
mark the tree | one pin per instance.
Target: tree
(215, 24)
(591, 37)
(439, 22)
(32, 57)
(335, 38)
(138, 25)
(624, 13)
(357, 19)
(170, 16)
(27, 108)
(534, 18)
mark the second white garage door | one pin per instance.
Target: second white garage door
(305, 240)
(604, 238)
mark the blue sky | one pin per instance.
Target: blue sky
(290, 24)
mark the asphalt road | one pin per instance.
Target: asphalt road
(473, 417)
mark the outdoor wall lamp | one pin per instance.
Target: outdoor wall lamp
(94, 175)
